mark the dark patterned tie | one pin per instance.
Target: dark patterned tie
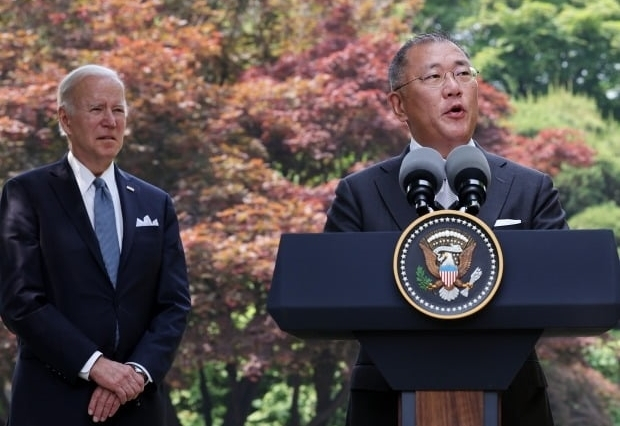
(105, 228)
(445, 197)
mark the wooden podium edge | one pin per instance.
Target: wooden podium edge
(449, 408)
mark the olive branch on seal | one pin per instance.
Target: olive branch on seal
(423, 280)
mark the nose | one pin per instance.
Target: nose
(109, 120)
(451, 86)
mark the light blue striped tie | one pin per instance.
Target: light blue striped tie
(105, 228)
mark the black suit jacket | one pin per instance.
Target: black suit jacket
(55, 294)
(372, 200)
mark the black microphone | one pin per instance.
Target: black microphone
(468, 174)
(421, 175)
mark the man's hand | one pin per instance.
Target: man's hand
(103, 404)
(120, 379)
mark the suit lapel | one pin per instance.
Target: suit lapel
(497, 190)
(128, 194)
(393, 197)
(67, 191)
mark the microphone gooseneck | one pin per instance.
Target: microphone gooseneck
(421, 175)
(468, 174)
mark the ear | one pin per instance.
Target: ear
(63, 120)
(396, 101)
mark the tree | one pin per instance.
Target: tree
(587, 187)
(569, 374)
(318, 114)
(550, 150)
(247, 111)
(443, 15)
(525, 46)
(605, 215)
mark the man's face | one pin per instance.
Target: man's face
(441, 117)
(95, 121)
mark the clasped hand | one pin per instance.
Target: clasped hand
(117, 384)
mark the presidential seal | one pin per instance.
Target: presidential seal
(448, 264)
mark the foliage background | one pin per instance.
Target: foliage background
(249, 111)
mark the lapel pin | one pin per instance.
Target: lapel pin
(130, 188)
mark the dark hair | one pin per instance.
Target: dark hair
(398, 66)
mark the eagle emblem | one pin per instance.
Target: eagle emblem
(448, 264)
(448, 257)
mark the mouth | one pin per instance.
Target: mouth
(455, 110)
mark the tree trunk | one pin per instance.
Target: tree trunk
(207, 403)
(294, 419)
(239, 400)
(326, 366)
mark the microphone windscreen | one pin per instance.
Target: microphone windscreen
(466, 162)
(422, 163)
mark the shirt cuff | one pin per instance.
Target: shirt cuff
(85, 371)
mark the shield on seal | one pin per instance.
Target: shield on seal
(448, 274)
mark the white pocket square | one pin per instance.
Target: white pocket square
(507, 222)
(146, 222)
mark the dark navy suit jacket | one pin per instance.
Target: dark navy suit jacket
(55, 295)
(372, 200)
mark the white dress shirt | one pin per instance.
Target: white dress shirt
(85, 178)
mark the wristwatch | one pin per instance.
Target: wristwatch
(141, 372)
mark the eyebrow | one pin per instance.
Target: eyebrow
(101, 104)
(457, 62)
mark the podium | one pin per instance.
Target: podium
(341, 286)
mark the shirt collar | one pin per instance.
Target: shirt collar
(85, 177)
(415, 145)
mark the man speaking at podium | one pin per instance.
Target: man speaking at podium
(435, 92)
